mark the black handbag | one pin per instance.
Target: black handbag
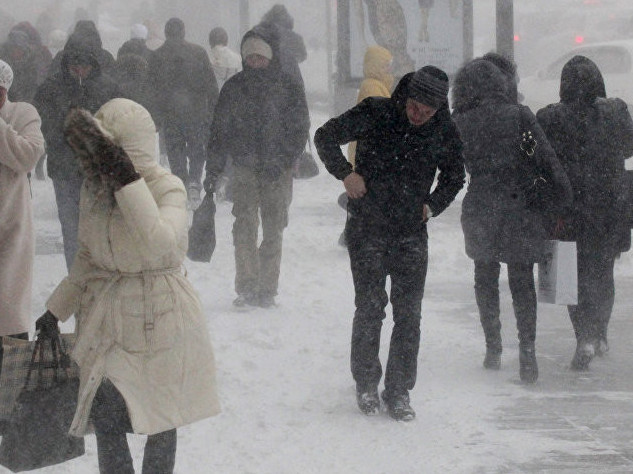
(306, 166)
(202, 231)
(537, 185)
(37, 432)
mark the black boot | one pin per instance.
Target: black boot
(492, 361)
(398, 405)
(368, 400)
(583, 356)
(528, 370)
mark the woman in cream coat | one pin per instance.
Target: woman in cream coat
(142, 346)
(21, 145)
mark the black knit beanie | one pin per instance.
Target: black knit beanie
(429, 85)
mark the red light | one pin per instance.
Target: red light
(517, 38)
(579, 39)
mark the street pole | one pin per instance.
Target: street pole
(505, 28)
(245, 21)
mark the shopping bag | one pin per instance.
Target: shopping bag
(202, 231)
(305, 166)
(15, 367)
(558, 274)
(36, 435)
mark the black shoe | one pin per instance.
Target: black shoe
(492, 361)
(398, 405)
(368, 401)
(583, 356)
(528, 370)
(266, 301)
(245, 300)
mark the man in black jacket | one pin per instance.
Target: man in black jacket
(402, 142)
(261, 122)
(79, 83)
(185, 93)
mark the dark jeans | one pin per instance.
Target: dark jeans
(596, 294)
(67, 197)
(111, 421)
(186, 140)
(22, 335)
(372, 259)
(521, 280)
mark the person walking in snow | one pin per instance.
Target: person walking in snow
(402, 142)
(226, 62)
(21, 145)
(185, 93)
(592, 136)
(146, 362)
(262, 123)
(497, 223)
(79, 83)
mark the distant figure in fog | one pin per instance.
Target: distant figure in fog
(497, 223)
(21, 145)
(136, 43)
(185, 93)
(592, 137)
(225, 61)
(292, 48)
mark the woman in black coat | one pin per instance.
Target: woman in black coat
(592, 136)
(498, 226)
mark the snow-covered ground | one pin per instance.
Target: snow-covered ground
(283, 373)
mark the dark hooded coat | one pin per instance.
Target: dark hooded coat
(497, 225)
(22, 58)
(592, 136)
(85, 36)
(135, 46)
(292, 48)
(61, 92)
(398, 162)
(261, 120)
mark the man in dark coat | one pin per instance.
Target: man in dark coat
(592, 136)
(136, 44)
(185, 88)
(18, 53)
(262, 123)
(80, 83)
(402, 142)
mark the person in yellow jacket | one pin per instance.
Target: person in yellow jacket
(377, 82)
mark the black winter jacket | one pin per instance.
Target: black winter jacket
(183, 81)
(261, 120)
(592, 137)
(397, 160)
(61, 92)
(497, 225)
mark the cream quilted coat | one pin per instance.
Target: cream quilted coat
(139, 321)
(21, 145)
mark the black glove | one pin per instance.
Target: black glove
(117, 167)
(46, 325)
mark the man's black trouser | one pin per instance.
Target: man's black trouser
(596, 293)
(186, 141)
(405, 260)
(112, 421)
(521, 281)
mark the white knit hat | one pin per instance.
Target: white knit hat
(255, 45)
(6, 75)
(138, 31)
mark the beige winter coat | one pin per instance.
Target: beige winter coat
(140, 323)
(21, 145)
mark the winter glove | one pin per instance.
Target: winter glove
(97, 153)
(46, 325)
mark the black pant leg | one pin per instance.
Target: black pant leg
(160, 453)
(176, 144)
(407, 262)
(521, 279)
(487, 297)
(367, 254)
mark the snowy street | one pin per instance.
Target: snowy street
(288, 397)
